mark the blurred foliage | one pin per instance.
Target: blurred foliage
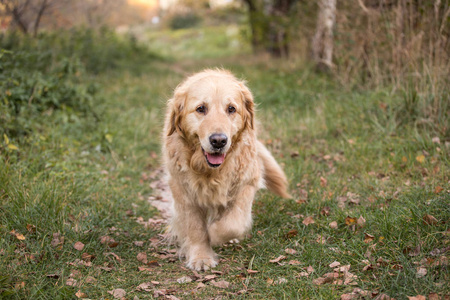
(51, 73)
(184, 20)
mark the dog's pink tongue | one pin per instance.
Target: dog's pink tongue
(215, 159)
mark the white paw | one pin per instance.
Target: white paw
(233, 241)
(202, 263)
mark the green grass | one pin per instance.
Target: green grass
(85, 179)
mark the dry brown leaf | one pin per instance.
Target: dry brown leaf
(323, 182)
(57, 239)
(221, 284)
(138, 243)
(91, 279)
(278, 259)
(421, 272)
(361, 221)
(144, 268)
(321, 240)
(294, 262)
(31, 228)
(80, 294)
(333, 225)
(325, 211)
(308, 220)
(302, 274)
(146, 287)
(113, 255)
(368, 237)
(209, 277)
(291, 233)
(118, 293)
(280, 280)
(251, 271)
(418, 297)
(438, 189)
(310, 269)
(18, 235)
(290, 251)
(200, 285)
(350, 221)
(334, 264)
(429, 220)
(433, 296)
(71, 282)
(78, 246)
(142, 257)
(87, 257)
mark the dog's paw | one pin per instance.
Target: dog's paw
(233, 241)
(202, 263)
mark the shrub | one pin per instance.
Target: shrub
(184, 20)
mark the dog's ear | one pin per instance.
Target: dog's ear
(249, 112)
(175, 106)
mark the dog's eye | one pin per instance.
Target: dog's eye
(231, 109)
(201, 109)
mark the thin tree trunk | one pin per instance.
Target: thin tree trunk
(39, 16)
(322, 44)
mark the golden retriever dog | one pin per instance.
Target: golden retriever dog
(215, 164)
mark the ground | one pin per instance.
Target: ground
(369, 218)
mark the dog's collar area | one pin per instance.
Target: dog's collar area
(214, 160)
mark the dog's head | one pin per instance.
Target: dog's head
(210, 110)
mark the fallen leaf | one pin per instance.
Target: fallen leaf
(71, 282)
(294, 262)
(146, 287)
(418, 297)
(138, 243)
(321, 240)
(368, 238)
(291, 233)
(334, 264)
(438, 189)
(420, 158)
(87, 257)
(78, 246)
(421, 272)
(415, 251)
(333, 225)
(209, 277)
(200, 285)
(31, 228)
(184, 279)
(280, 280)
(323, 182)
(278, 259)
(302, 274)
(361, 221)
(310, 269)
(91, 279)
(308, 220)
(429, 220)
(80, 294)
(325, 211)
(433, 296)
(350, 221)
(251, 271)
(57, 239)
(18, 235)
(118, 293)
(113, 255)
(221, 284)
(142, 257)
(290, 251)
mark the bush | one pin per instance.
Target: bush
(185, 20)
(27, 93)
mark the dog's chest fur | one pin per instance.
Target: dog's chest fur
(214, 188)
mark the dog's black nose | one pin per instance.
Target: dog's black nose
(218, 140)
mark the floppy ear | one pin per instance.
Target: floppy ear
(249, 112)
(175, 106)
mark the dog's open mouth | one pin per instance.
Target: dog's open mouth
(214, 159)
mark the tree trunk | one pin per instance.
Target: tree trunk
(39, 16)
(322, 44)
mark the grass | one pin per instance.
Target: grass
(346, 154)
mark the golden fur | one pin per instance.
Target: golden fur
(215, 164)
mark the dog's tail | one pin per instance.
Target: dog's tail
(274, 177)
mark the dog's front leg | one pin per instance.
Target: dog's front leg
(189, 225)
(236, 220)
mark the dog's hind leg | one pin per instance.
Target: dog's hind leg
(235, 221)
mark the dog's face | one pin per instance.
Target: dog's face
(210, 110)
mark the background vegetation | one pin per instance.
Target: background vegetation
(365, 146)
